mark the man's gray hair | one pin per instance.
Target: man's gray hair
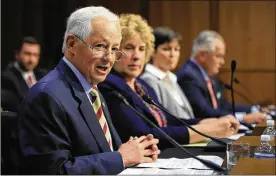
(79, 22)
(205, 41)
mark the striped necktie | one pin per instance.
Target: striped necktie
(212, 93)
(97, 106)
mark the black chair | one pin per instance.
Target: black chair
(8, 121)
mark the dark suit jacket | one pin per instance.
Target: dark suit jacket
(13, 84)
(58, 131)
(127, 122)
(194, 85)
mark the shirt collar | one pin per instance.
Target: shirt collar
(84, 83)
(203, 72)
(16, 65)
(159, 73)
(25, 74)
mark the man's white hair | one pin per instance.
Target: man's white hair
(205, 41)
(79, 22)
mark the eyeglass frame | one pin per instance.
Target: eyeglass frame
(103, 49)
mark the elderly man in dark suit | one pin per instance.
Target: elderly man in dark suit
(22, 74)
(197, 79)
(64, 125)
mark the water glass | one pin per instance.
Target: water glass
(235, 151)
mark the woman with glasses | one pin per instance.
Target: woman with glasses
(137, 45)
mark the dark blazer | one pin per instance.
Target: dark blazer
(127, 122)
(194, 85)
(13, 84)
(58, 131)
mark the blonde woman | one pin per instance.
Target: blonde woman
(138, 45)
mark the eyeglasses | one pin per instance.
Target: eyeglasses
(101, 52)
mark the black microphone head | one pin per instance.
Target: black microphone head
(119, 96)
(147, 99)
(227, 86)
(236, 80)
(233, 65)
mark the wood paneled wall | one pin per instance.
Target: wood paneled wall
(186, 17)
(247, 26)
(249, 31)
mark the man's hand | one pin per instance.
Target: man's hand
(208, 120)
(256, 117)
(224, 127)
(139, 150)
(267, 109)
(235, 123)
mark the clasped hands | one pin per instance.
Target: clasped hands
(139, 150)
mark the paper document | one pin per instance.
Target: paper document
(174, 166)
(188, 163)
(156, 171)
(199, 144)
(236, 136)
(242, 127)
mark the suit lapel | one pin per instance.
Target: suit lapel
(85, 107)
(21, 83)
(201, 81)
(139, 104)
(117, 82)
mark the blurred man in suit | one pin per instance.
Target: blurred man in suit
(22, 74)
(197, 78)
(64, 125)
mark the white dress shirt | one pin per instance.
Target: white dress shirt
(26, 74)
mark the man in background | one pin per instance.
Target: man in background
(198, 80)
(22, 74)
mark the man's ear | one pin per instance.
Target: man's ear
(71, 43)
(201, 55)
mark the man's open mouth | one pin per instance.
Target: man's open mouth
(102, 68)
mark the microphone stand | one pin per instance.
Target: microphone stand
(227, 86)
(246, 97)
(233, 68)
(244, 87)
(150, 101)
(170, 139)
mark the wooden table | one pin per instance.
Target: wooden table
(254, 166)
(259, 128)
(254, 141)
(263, 124)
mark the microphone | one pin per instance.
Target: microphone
(237, 81)
(227, 86)
(233, 68)
(170, 139)
(150, 101)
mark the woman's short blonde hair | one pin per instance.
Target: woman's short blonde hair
(131, 25)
